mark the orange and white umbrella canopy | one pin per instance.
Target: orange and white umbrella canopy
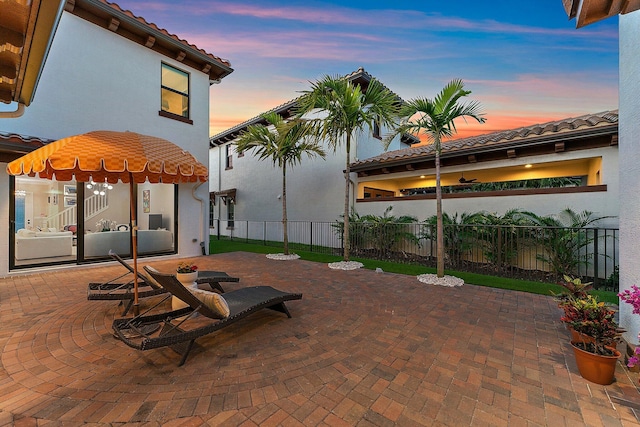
(111, 156)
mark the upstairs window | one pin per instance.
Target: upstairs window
(376, 129)
(229, 157)
(175, 92)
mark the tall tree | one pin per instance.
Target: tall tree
(347, 109)
(284, 143)
(435, 119)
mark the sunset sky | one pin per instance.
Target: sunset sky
(523, 61)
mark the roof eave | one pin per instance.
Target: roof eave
(539, 140)
(359, 76)
(215, 68)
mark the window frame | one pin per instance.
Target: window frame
(228, 163)
(163, 87)
(231, 215)
(375, 131)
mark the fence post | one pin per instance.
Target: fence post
(499, 247)
(310, 236)
(264, 233)
(595, 258)
(218, 228)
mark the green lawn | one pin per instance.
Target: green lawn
(225, 245)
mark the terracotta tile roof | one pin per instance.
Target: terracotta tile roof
(26, 139)
(153, 26)
(13, 145)
(523, 135)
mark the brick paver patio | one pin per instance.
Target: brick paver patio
(363, 348)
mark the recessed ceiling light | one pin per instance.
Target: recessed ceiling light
(422, 176)
(528, 165)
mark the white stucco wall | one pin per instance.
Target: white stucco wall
(315, 188)
(600, 203)
(94, 79)
(629, 166)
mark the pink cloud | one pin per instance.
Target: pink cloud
(388, 18)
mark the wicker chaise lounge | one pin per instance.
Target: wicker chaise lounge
(176, 331)
(119, 290)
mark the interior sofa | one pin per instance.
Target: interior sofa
(99, 244)
(32, 244)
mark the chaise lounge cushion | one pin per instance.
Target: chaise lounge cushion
(215, 302)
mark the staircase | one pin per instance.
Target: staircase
(93, 206)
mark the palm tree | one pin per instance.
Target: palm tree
(347, 109)
(284, 143)
(435, 119)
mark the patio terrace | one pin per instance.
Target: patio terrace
(363, 348)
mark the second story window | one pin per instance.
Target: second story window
(376, 129)
(229, 157)
(175, 91)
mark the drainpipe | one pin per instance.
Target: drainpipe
(19, 111)
(218, 207)
(193, 194)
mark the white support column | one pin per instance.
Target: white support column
(629, 166)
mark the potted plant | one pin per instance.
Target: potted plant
(187, 273)
(574, 289)
(596, 357)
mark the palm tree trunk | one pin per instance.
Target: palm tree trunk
(347, 173)
(285, 233)
(439, 225)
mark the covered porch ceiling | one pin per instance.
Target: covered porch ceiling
(524, 171)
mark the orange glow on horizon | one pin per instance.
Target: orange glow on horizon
(497, 123)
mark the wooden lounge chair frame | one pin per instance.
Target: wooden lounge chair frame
(242, 302)
(113, 290)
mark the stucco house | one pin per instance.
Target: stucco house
(315, 188)
(583, 149)
(581, 153)
(107, 69)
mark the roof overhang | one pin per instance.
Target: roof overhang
(589, 11)
(359, 77)
(570, 134)
(225, 195)
(124, 23)
(26, 33)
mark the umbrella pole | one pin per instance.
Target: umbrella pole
(134, 241)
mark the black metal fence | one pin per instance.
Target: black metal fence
(522, 252)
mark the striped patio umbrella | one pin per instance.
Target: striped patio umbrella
(102, 155)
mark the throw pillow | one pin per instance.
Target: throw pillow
(26, 233)
(215, 302)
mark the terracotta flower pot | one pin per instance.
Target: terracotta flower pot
(579, 336)
(583, 338)
(594, 367)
